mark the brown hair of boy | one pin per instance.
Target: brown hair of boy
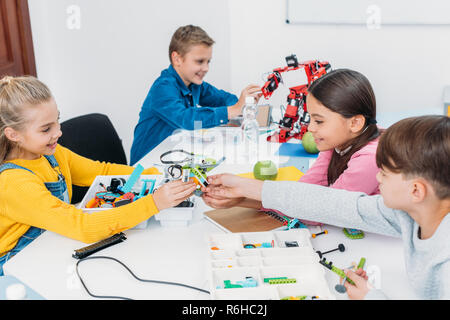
(348, 93)
(419, 147)
(187, 36)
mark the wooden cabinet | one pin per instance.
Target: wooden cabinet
(16, 45)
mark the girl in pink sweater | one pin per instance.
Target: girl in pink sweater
(342, 107)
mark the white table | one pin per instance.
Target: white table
(181, 254)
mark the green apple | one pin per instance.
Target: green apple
(265, 170)
(308, 143)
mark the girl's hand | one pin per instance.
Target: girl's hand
(173, 193)
(231, 186)
(222, 186)
(361, 287)
(217, 202)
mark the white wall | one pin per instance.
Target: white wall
(109, 64)
(408, 66)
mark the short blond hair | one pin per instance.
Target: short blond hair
(16, 94)
(187, 36)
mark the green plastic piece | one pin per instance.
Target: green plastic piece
(277, 278)
(361, 263)
(282, 281)
(228, 285)
(353, 233)
(341, 274)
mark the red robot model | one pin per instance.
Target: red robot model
(296, 118)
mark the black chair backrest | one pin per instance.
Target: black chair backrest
(92, 136)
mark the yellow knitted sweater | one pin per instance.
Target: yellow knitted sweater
(25, 201)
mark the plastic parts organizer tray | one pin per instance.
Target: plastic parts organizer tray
(272, 266)
(167, 217)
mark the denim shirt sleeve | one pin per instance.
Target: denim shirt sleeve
(168, 104)
(210, 96)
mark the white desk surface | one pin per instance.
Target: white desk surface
(181, 255)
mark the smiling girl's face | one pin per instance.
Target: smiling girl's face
(330, 129)
(40, 133)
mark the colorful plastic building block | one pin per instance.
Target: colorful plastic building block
(353, 233)
(295, 224)
(249, 282)
(339, 272)
(282, 281)
(300, 298)
(318, 234)
(260, 245)
(361, 263)
(132, 179)
(228, 285)
(274, 278)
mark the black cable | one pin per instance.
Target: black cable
(190, 154)
(131, 272)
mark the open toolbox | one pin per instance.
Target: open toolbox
(177, 216)
(274, 265)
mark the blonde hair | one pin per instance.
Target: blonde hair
(16, 94)
(187, 36)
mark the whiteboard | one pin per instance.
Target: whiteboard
(369, 12)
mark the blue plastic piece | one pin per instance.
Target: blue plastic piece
(132, 180)
(248, 283)
(144, 188)
(295, 223)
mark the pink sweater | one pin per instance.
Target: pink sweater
(360, 174)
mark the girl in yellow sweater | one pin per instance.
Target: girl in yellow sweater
(36, 176)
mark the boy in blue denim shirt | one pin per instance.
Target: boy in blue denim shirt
(175, 97)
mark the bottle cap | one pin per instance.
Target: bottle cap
(249, 99)
(16, 291)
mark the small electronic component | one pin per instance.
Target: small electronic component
(102, 244)
(289, 244)
(185, 204)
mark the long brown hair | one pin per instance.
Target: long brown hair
(348, 93)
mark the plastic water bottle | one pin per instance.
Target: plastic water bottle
(250, 127)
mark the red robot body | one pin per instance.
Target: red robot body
(296, 112)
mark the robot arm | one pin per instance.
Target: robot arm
(296, 114)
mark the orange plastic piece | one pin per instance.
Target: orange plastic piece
(93, 203)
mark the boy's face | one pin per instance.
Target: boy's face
(193, 66)
(394, 188)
